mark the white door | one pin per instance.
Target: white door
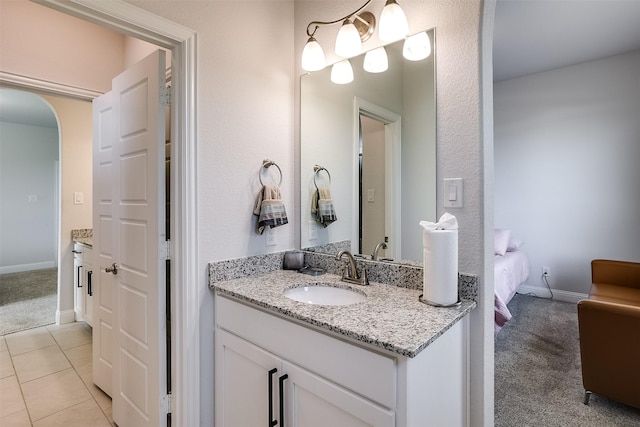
(103, 140)
(137, 233)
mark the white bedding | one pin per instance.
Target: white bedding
(510, 271)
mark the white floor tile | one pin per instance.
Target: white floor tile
(18, 419)
(29, 340)
(38, 363)
(47, 395)
(80, 355)
(6, 366)
(10, 397)
(76, 334)
(83, 414)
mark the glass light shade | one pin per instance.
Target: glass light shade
(341, 72)
(376, 61)
(393, 22)
(313, 56)
(348, 41)
(417, 47)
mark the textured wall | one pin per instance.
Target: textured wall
(567, 173)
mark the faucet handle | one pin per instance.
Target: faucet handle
(364, 280)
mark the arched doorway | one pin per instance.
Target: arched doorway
(29, 210)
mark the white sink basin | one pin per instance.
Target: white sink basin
(324, 295)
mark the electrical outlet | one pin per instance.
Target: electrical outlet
(313, 231)
(546, 271)
(271, 237)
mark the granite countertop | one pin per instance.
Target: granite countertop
(391, 317)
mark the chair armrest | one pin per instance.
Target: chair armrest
(620, 273)
(610, 349)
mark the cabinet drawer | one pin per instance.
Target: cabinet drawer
(365, 372)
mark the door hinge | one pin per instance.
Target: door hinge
(167, 402)
(165, 250)
(165, 95)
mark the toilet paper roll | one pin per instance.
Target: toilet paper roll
(440, 261)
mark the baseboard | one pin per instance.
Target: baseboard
(65, 316)
(558, 294)
(27, 267)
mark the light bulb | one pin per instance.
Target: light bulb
(313, 56)
(341, 72)
(417, 47)
(348, 41)
(375, 61)
(393, 22)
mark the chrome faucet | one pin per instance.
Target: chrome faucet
(350, 273)
(382, 245)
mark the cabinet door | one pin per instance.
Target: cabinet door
(89, 288)
(242, 377)
(78, 280)
(312, 401)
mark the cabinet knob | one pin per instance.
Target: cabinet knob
(113, 269)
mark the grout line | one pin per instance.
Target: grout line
(91, 395)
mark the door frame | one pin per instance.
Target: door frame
(392, 153)
(185, 325)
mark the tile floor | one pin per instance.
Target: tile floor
(45, 379)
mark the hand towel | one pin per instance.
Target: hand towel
(269, 208)
(322, 207)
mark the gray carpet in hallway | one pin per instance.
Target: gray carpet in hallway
(27, 299)
(538, 380)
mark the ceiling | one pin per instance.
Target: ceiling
(539, 35)
(530, 36)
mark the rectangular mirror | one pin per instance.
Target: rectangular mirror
(370, 145)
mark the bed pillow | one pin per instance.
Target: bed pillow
(501, 240)
(514, 244)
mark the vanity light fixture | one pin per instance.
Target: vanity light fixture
(393, 22)
(417, 47)
(342, 72)
(376, 60)
(356, 28)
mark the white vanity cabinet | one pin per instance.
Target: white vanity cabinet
(328, 381)
(88, 285)
(83, 283)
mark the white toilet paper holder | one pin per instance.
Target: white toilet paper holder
(426, 301)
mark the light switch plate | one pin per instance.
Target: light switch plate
(271, 237)
(453, 193)
(78, 198)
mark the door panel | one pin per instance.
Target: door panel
(103, 283)
(139, 363)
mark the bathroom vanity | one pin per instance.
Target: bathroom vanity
(388, 360)
(82, 280)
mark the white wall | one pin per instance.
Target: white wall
(76, 170)
(248, 110)
(460, 149)
(44, 44)
(245, 111)
(567, 145)
(27, 191)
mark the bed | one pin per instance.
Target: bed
(511, 269)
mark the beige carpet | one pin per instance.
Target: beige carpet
(538, 378)
(27, 300)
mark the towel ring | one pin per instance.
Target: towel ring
(266, 163)
(317, 169)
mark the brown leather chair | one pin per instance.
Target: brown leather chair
(609, 327)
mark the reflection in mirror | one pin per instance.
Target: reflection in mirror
(376, 136)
